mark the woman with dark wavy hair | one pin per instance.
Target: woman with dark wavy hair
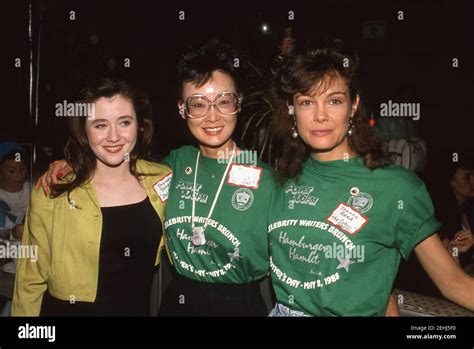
(344, 217)
(98, 233)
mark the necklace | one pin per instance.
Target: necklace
(198, 238)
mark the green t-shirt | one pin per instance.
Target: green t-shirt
(236, 249)
(337, 234)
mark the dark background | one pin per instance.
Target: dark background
(411, 61)
(407, 60)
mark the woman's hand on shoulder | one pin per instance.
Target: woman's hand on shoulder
(56, 171)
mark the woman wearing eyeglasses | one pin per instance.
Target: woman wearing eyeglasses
(215, 230)
(215, 227)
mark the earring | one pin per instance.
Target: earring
(294, 131)
(181, 110)
(291, 110)
(351, 126)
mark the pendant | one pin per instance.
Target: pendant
(198, 238)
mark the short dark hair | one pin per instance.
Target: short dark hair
(198, 64)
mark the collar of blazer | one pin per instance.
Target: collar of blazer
(154, 171)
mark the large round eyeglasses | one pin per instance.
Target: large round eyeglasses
(227, 103)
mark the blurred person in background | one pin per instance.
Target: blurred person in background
(14, 189)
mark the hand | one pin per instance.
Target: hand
(56, 170)
(462, 241)
(17, 231)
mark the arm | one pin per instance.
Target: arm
(392, 307)
(32, 273)
(453, 283)
(56, 170)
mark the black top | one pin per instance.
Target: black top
(128, 248)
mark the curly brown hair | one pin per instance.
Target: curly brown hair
(78, 152)
(300, 69)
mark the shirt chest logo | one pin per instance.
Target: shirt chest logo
(187, 188)
(301, 194)
(361, 202)
(242, 199)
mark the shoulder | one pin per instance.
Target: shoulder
(184, 150)
(152, 168)
(180, 153)
(266, 167)
(400, 178)
(27, 187)
(39, 199)
(268, 173)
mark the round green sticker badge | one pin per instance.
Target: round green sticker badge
(242, 199)
(362, 202)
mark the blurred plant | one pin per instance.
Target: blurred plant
(257, 112)
(259, 104)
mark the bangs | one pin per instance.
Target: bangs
(318, 82)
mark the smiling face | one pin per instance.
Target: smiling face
(112, 134)
(214, 130)
(322, 118)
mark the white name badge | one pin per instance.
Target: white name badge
(162, 187)
(244, 176)
(347, 219)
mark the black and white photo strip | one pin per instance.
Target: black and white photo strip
(167, 161)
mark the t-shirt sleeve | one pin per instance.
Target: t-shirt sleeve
(416, 221)
(169, 160)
